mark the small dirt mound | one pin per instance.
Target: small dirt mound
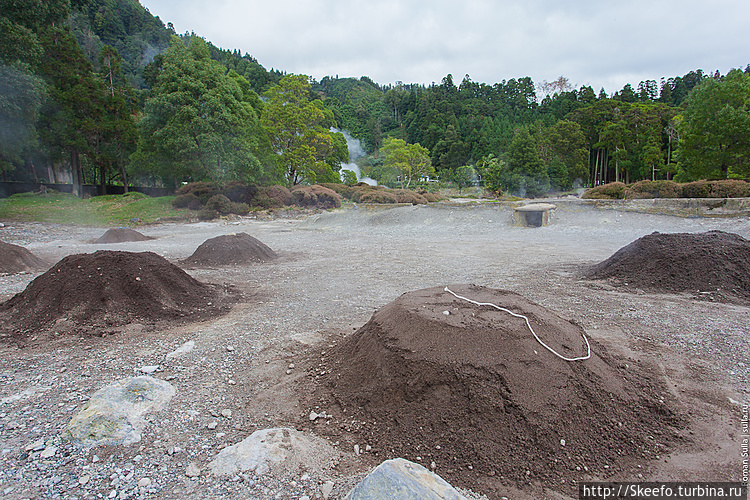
(230, 249)
(470, 388)
(106, 289)
(714, 265)
(16, 259)
(121, 235)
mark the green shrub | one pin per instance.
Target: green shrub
(653, 189)
(279, 195)
(263, 201)
(239, 192)
(377, 196)
(239, 208)
(317, 196)
(220, 204)
(363, 188)
(730, 188)
(203, 190)
(195, 204)
(207, 214)
(430, 193)
(611, 191)
(697, 189)
(184, 200)
(408, 196)
(342, 189)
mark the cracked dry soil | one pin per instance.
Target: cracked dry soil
(264, 358)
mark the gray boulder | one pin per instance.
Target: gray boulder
(268, 448)
(114, 414)
(399, 478)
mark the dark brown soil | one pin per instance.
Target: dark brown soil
(230, 249)
(121, 235)
(85, 293)
(714, 265)
(16, 259)
(475, 392)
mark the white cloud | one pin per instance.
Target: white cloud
(598, 43)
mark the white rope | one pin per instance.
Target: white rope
(582, 358)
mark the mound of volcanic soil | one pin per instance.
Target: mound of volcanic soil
(469, 388)
(230, 249)
(106, 289)
(121, 235)
(17, 259)
(714, 265)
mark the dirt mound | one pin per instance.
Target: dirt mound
(87, 292)
(121, 235)
(17, 259)
(469, 388)
(712, 265)
(230, 249)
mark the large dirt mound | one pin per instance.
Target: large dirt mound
(121, 235)
(108, 289)
(714, 265)
(230, 249)
(17, 259)
(470, 388)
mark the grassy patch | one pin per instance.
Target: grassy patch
(110, 210)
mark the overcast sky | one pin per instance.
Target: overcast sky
(601, 43)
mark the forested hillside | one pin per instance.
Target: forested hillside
(101, 91)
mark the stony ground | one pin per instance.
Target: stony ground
(335, 269)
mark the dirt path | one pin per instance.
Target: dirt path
(334, 270)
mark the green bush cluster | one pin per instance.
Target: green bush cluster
(212, 201)
(316, 196)
(365, 193)
(730, 188)
(653, 189)
(611, 191)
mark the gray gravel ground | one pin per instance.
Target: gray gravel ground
(335, 269)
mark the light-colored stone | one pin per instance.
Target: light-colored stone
(37, 445)
(48, 452)
(183, 349)
(267, 448)
(399, 478)
(326, 489)
(144, 482)
(114, 414)
(192, 470)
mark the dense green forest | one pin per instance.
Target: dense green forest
(102, 92)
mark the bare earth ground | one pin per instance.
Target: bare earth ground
(335, 269)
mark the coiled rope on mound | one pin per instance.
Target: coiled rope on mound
(582, 358)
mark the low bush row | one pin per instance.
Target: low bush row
(365, 193)
(212, 201)
(730, 188)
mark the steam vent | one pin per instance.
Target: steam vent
(533, 215)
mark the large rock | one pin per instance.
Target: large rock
(399, 478)
(114, 414)
(266, 448)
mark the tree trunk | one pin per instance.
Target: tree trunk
(74, 172)
(124, 178)
(102, 180)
